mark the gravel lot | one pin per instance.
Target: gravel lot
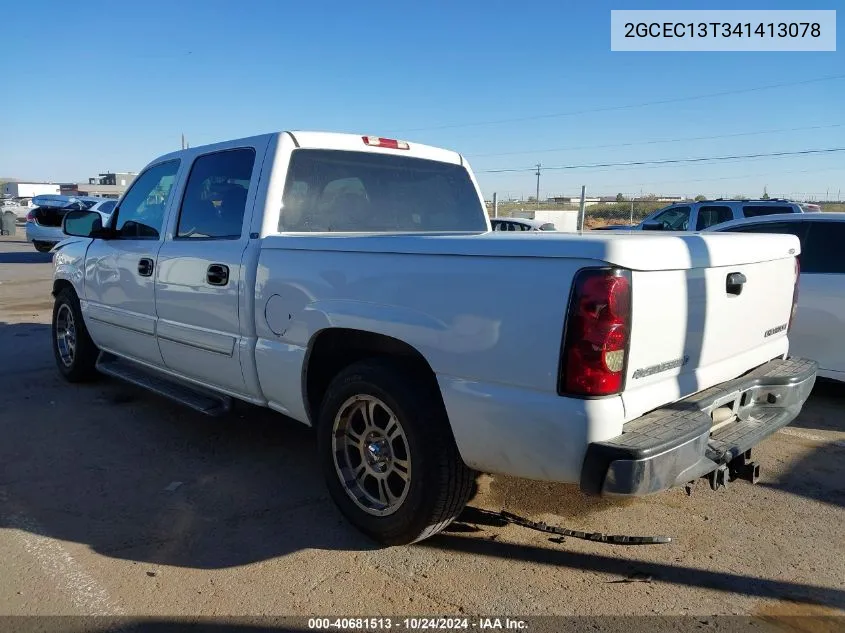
(114, 501)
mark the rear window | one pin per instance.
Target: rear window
(758, 210)
(328, 190)
(548, 227)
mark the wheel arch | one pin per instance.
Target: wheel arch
(332, 349)
(61, 284)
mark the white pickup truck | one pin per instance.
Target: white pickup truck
(353, 284)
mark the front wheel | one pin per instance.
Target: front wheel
(388, 454)
(43, 247)
(75, 352)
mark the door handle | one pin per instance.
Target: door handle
(217, 275)
(734, 283)
(145, 267)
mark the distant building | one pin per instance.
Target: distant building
(118, 179)
(108, 185)
(29, 189)
(588, 200)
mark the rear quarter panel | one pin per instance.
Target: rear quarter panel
(487, 319)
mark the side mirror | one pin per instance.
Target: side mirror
(653, 226)
(83, 224)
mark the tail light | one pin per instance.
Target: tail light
(794, 295)
(598, 327)
(30, 217)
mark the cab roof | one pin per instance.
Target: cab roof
(304, 139)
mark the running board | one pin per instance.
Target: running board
(196, 398)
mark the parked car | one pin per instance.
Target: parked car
(521, 224)
(820, 322)
(701, 215)
(44, 222)
(353, 284)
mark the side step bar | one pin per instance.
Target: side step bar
(196, 398)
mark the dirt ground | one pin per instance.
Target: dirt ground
(117, 502)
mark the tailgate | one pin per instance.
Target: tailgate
(694, 328)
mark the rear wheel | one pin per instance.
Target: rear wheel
(75, 352)
(388, 455)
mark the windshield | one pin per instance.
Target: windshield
(329, 190)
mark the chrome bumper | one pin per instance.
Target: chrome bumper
(679, 443)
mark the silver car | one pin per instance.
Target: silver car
(44, 222)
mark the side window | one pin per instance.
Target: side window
(522, 227)
(754, 211)
(824, 252)
(674, 218)
(215, 197)
(141, 213)
(712, 215)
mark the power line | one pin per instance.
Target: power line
(720, 178)
(708, 95)
(673, 160)
(638, 168)
(660, 141)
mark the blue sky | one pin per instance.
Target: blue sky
(94, 86)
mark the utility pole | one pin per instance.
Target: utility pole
(537, 199)
(495, 205)
(632, 211)
(183, 140)
(582, 206)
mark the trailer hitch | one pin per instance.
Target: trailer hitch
(742, 467)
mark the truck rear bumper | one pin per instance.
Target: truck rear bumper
(681, 442)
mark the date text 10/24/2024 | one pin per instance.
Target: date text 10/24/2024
(416, 624)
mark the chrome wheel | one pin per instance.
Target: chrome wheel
(66, 335)
(371, 455)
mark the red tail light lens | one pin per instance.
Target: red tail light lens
(598, 326)
(30, 217)
(794, 295)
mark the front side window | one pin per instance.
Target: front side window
(329, 190)
(141, 213)
(674, 218)
(711, 216)
(215, 196)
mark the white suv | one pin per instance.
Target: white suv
(701, 215)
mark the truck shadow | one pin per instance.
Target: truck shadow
(816, 476)
(667, 573)
(137, 478)
(25, 258)
(824, 411)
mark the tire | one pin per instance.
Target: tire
(438, 483)
(74, 351)
(43, 247)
